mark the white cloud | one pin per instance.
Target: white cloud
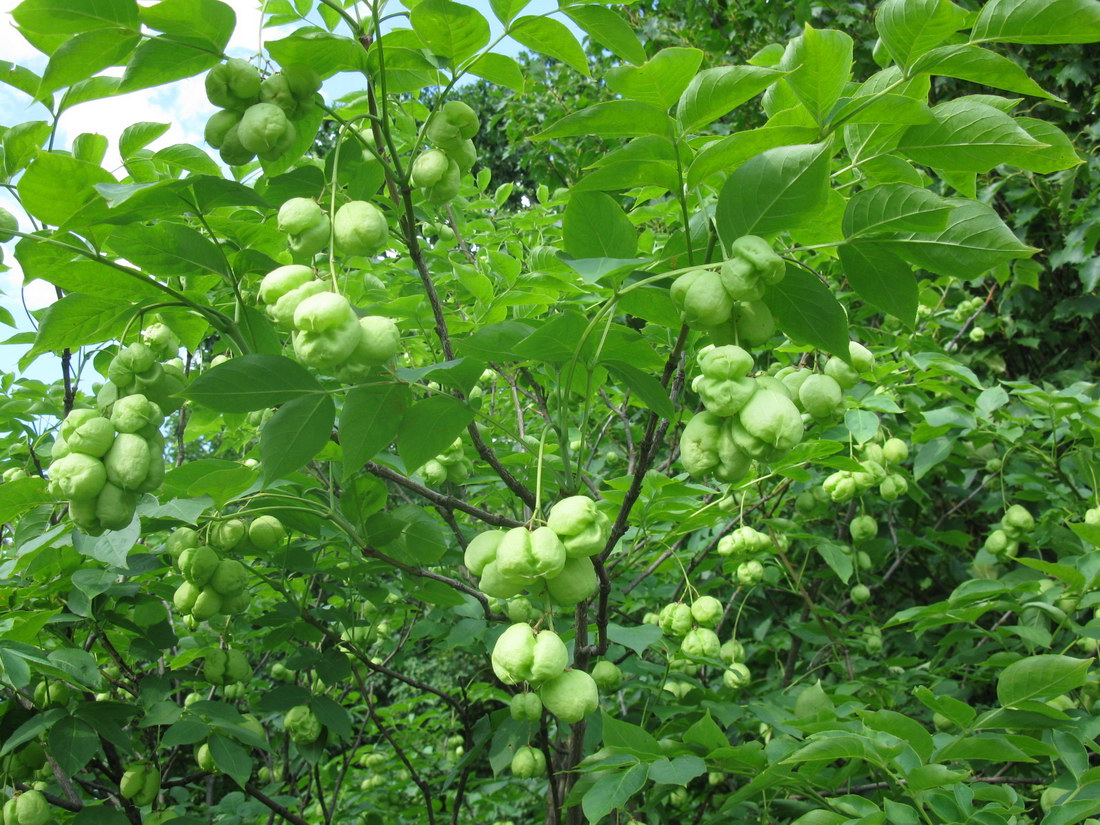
(246, 37)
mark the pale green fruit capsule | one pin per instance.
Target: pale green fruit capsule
(570, 696)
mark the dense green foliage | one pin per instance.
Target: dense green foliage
(696, 424)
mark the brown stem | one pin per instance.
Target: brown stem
(272, 805)
(380, 668)
(458, 236)
(441, 499)
(425, 791)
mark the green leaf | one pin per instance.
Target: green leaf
(23, 79)
(499, 69)
(32, 728)
(297, 431)
(727, 154)
(594, 270)
(142, 202)
(990, 747)
(772, 192)
(629, 174)
(899, 110)
(930, 454)
(652, 304)
(332, 716)
(903, 727)
(190, 158)
(451, 30)
(185, 732)
(21, 495)
(326, 52)
(608, 28)
(90, 147)
(646, 148)
(219, 479)
(408, 66)
(1037, 21)
(94, 88)
(637, 638)
(968, 136)
(70, 17)
(871, 140)
(627, 738)
(160, 60)
(1059, 152)
(714, 93)
(369, 421)
(839, 561)
(616, 118)
(895, 207)
(420, 540)
(807, 312)
(647, 387)
(1087, 532)
(78, 665)
(430, 427)
(494, 341)
(1040, 677)
(96, 279)
(552, 38)
(169, 249)
(86, 55)
(1075, 809)
(505, 10)
(660, 81)
(707, 733)
(73, 743)
(77, 320)
(974, 241)
(862, 424)
(926, 777)
(829, 747)
(958, 712)
(909, 28)
(60, 190)
(231, 758)
(979, 65)
(882, 279)
(252, 382)
(818, 64)
(556, 340)
(259, 333)
(677, 771)
(613, 791)
(21, 143)
(206, 22)
(595, 226)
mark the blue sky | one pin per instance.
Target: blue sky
(182, 104)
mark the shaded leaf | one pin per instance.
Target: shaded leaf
(297, 431)
(808, 312)
(369, 421)
(773, 191)
(430, 427)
